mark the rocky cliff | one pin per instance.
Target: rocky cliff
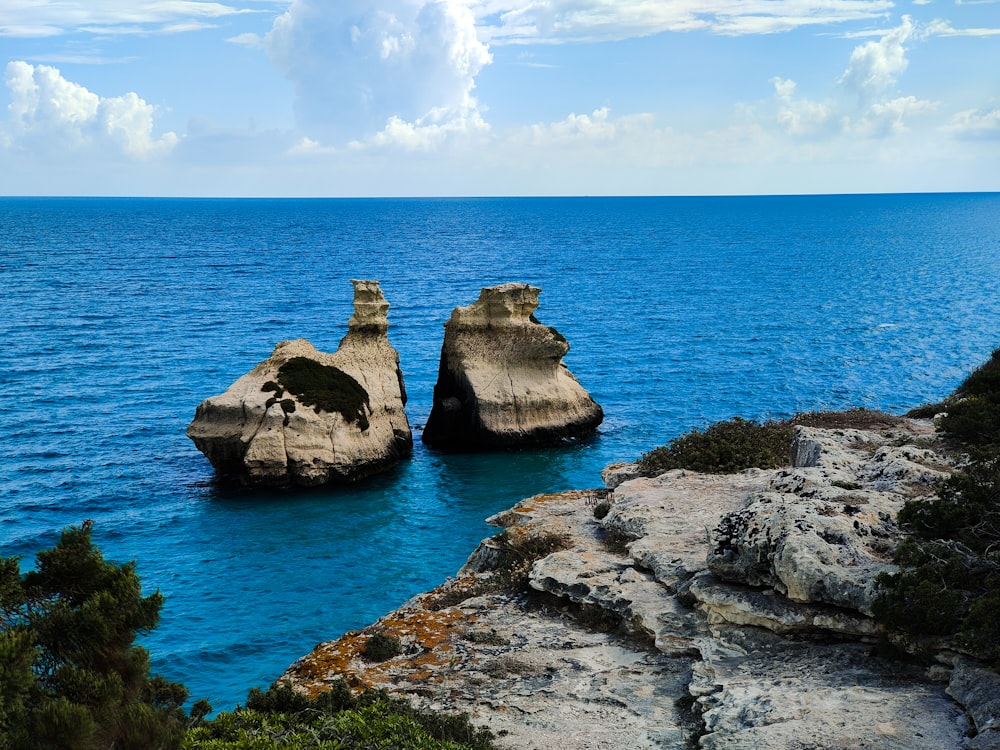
(307, 417)
(502, 382)
(718, 611)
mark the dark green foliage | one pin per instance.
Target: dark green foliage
(326, 388)
(949, 578)
(71, 675)
(723, 448)
(519, 552)
(973, 411)
(381, 647)
(338, 720)
(602, 509)
(271, 386)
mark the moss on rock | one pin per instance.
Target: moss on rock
(325, 388)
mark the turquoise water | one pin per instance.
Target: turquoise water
(120, 315)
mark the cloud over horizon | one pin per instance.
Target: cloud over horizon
(360, 69)
(48, 114)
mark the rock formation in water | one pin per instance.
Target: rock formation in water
(501, 382)
(306, 417)
(687, 610)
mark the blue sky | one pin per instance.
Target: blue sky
(498, 97)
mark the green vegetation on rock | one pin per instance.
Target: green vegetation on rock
(723, 448)
(323, 387)
(973, 410)
(335, 720)
(948, 583)
(738, 444)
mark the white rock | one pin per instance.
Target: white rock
(263, 434)
(502, 382)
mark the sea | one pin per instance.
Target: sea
(118, 316)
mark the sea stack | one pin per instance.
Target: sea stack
(501, 382)
(305, 417)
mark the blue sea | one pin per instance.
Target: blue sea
(118, 316)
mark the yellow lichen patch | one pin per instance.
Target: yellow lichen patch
(329, 660)
(532, 504)
(426, 636)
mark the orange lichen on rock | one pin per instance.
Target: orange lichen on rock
(427, 639)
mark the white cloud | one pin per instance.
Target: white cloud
(48, 114)
(800, 117)
(944, 28)
(875, 66)
(254, 41)
(976, 124)
(889, 118)
(589, 20)
(361, 68)
(34, 18)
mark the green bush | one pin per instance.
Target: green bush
(336, 720)
(973, 410)
(381, 647)
(325, 388)
(723, 448)
(71, 675)
(948, 583)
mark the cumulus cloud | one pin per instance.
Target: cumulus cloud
(976, 124)
(588, 20)
(889, 118)
(799, 117)
(876, 66)
(48, 113)
(393, 66)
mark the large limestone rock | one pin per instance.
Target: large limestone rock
(502, 382)
(307, 417)
(694, 661)
(824, 529)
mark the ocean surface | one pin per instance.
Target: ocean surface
(118, 316)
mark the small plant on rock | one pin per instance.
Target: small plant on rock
(381, 647)
(723, 448)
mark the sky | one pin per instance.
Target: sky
(498, 97)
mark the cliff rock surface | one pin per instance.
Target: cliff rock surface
(728, 612)
(501, 382)
(306, 417)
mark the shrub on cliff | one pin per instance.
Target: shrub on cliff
(336, 720)
(949, 578)
(723, 448)
(71, 675)
(972, 412)
(948, 583)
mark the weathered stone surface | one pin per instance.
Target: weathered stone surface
(689, 660)
(978, 690)
(825, 529)
(757, 690)
(501, 381)
(262, 433)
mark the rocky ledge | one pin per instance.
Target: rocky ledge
(501, 382)
(307, 417)
(687, 610)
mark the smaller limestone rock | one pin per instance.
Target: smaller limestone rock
(502, 382)
(306, 417)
